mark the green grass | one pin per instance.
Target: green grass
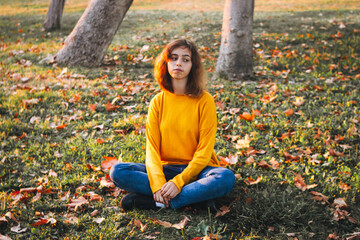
(304, 54)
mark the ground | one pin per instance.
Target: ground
(290, 133)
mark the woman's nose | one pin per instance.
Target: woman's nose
(178, 63)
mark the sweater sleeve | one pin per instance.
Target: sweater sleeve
(153, 160)
(205, 147)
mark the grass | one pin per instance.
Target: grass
(310, 55)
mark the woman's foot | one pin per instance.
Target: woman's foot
(138, 201)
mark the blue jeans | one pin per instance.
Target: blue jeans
(212, 182)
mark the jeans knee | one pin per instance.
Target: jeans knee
(229, 179)
(113, 171)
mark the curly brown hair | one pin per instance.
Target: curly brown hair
(197, 78)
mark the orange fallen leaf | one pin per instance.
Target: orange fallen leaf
(332, 152)
(299, 183)
(110, 107)
(40, 222)
(220, 105)
(243, 143)
(263, 164)
(77, 203)
(99, 141)
(92, 196)
(251, 181)
(299, 101)
(61, 126)
(344, 187)
(247, 116)
(106, 182)
(75, 98)
(290, 157)
(163, 223)
(256, 112)
(22, 136)
(94, 213)
(320, 197)
(318, 88)
(274, 164)
(182, 223)
(289, 112)
(223, 162)
(179, 225)
(249, 160)
(107, 164)
(92, 107)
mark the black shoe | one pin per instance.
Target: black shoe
(205, 205)
(138, 201)
(210, 204)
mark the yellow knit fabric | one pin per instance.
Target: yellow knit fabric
(180, 130)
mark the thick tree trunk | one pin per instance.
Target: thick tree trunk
(53, 17)
(92, 35)
(236, 51)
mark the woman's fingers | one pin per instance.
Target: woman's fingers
(169, 190)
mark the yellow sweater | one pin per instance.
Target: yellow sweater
(180, 130)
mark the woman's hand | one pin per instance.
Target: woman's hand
(169, 190)
(158, 197)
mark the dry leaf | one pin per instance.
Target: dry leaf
(106, 182)
(110, 107)
(243, 143)
(77, 203)
(299, 183)
(163, 223)
(182, 223)
(251, 181)
(2, 237)
(61, 126)
(263, 164)
(247, 116)
(299, 101)
(222, 211)
(18, 229)
(92, 196)
(99, 220)
(94, 213)
(108, 163)
(340, 203)
(274, 164)
(320, 197)
(249, 160)
(52, 173)
(289, 112)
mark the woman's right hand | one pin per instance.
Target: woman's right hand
(159, 198)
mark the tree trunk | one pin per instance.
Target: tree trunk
(236, 51)
(53, 17)
(92, 35)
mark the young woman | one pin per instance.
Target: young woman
(181, 165)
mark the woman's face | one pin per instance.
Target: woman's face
(179, 65)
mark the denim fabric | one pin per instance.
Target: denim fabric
(212, 182)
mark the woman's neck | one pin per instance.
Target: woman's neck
(179, 85)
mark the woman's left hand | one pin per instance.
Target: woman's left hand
(169, 190)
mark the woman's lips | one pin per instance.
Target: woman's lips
(178, 70)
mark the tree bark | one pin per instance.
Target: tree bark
(53, 17)
(236, 51)
(92, 35)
